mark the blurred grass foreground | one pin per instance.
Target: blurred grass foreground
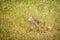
(29, 19)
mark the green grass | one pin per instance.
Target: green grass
(14, 24)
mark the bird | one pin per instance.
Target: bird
(33, 20)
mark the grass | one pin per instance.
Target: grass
(14, 24)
